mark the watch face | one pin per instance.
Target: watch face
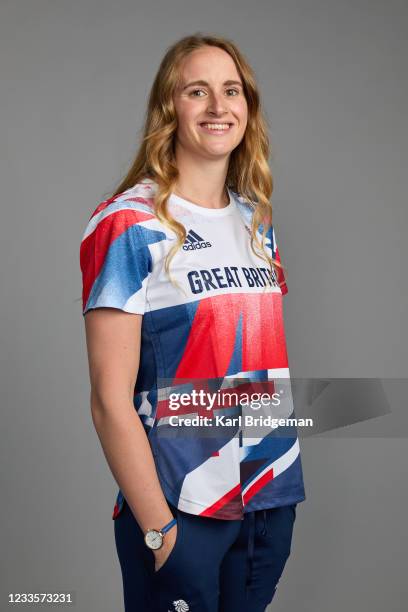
(153, 539)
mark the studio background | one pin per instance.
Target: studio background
(333, 79)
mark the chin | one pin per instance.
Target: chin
(216, 153)
(221, 148)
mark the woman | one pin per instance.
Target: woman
(182, 291)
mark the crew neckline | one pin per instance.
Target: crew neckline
(203, 210)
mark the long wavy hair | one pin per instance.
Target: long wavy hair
(248, 171)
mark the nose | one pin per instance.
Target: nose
(216, 105)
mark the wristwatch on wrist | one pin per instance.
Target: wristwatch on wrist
(154, 537)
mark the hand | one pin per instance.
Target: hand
(161, 554)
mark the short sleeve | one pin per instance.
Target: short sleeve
(280, 273)
(115, 258)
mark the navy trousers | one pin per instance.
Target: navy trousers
(215, 565)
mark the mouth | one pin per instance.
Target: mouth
(211, 127)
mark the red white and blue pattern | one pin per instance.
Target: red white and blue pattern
(223, 324)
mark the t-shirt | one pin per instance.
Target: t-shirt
(220, 329)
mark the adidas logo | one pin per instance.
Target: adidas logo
(193, 242)
(180, 606)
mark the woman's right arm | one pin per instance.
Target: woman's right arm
(113, 344)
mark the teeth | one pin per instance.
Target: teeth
(216, 126)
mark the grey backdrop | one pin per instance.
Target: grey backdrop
(75, 76)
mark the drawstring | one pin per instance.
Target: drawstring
(251, 538)
(264, 531)
(251, 535)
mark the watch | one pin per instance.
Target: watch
(154, 537)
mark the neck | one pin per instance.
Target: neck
(202, 181)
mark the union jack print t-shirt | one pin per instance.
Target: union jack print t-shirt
(220, 328)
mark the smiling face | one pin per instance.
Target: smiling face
(210, 104)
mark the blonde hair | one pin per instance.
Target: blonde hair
(248, 172)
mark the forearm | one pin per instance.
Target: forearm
(130, 459)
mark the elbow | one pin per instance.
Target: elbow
(97, 404)
(99, 408)
(109, 401)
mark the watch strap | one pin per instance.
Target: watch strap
(168, 526)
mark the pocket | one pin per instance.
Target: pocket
(176, 513)
(279, 520)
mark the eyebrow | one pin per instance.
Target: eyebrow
(201, 82)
